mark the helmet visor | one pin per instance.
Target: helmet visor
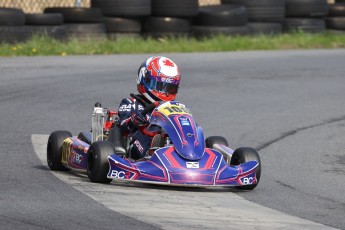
(163, 87)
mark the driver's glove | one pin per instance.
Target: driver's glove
(139, 120)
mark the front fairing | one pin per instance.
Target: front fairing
(179, 124)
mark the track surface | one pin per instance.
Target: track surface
(289, 105)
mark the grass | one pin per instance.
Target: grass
(42, 45)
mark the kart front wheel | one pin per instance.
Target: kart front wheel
(54, 149)
(97, 161)
(212, 140)
(243, 155)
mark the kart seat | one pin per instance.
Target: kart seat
(115, 137)
(86, 137)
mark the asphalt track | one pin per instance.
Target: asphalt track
(287, 104)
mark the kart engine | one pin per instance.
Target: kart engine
(98, 118)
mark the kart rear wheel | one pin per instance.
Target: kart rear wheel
(54, 150)
(97, 161)
(212, 140)
(243, 155)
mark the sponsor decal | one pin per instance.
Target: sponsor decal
(140, 107)
(173, 109)
(138, 145)
(168, 80)
(185, 123)
(120, 174)
(125, 108)
(247, 180)
(192, 165)
(76, 157)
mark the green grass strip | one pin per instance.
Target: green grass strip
(43, 46)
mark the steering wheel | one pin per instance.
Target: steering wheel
(148, 109)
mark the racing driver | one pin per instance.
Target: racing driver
(157, 81)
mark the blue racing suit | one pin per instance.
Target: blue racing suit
(140, 143)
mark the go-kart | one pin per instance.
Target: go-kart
(179, 154)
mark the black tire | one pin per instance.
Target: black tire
(157, 141)
(97, 161)
(210, 31)
(175, 8)
(89, 28)
(56, 32)
(78, 15)
(308, 25)
(117, 36)
(240, 2)
(122, 25)
(44, 19)
(54, 150)
(243, 155)
(222, 15)
(337, 10)
(264, 28)
(306, 8)
(11, 17)
(266, 10)
(123, 8)
(210, 141)
(341, 32)
(337, 23)
(86, 31)
(262, 10)
(14, 34)
(157, 27)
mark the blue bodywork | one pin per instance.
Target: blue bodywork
(186, 162)
(167, 166)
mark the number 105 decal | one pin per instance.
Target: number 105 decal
(174, 109)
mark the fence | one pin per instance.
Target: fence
(37, 6)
